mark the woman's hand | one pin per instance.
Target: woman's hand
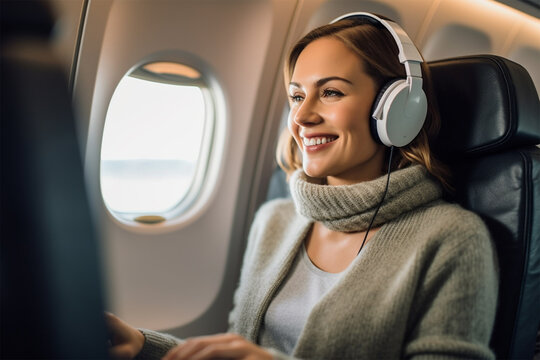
(126, 341)
(221, 346)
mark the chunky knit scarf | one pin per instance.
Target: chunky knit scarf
(349, 208)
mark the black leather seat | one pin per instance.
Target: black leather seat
(490, 128)
(51, 296)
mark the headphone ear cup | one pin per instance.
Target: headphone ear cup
(400, 112)
(377, 108)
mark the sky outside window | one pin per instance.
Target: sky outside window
(151, 144)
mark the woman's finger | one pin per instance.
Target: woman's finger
(193, 345)
(229, 350)
(222, 346)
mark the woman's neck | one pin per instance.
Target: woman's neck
(333, 251)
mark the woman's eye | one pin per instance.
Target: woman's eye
(296, 98)
(332, 93)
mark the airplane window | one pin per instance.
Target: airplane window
(155, 141)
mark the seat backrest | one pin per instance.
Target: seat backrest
(490, 116)
(51, 296)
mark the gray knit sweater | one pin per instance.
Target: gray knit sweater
(424, 286)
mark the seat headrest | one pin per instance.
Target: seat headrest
(487, 104)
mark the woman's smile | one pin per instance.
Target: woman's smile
(317, 142)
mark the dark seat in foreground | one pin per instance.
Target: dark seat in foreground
(51, 294)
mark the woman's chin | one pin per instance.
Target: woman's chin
(314, 173)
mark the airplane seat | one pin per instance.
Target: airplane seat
(51, 298)
(490, 116)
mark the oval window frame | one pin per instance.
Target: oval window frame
(208, 168)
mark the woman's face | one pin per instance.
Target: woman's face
(331, 98)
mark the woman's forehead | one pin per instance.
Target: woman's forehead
(326, 57)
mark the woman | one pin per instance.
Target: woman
(366, 260)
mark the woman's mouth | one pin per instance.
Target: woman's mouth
(318, 140)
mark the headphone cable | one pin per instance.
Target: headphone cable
(382, 199)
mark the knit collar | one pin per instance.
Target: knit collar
(349, 208)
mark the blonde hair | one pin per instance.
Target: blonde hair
(378, 51)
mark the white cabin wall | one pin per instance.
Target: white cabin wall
(465, 27)
(526, 49)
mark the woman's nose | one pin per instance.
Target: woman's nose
(307, 114)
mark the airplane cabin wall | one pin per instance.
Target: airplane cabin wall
(181, 278)
(464, 27)
(163, 276)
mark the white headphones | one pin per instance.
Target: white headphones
(400, 108)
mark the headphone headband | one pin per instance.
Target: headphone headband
(399, 110)
(408, 53)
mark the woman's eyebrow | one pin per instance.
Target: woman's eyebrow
(323, 81)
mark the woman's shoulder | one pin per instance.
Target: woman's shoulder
(276, 228)
(452, 215)
(277, 220)
(449, 225)
(275, 210)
